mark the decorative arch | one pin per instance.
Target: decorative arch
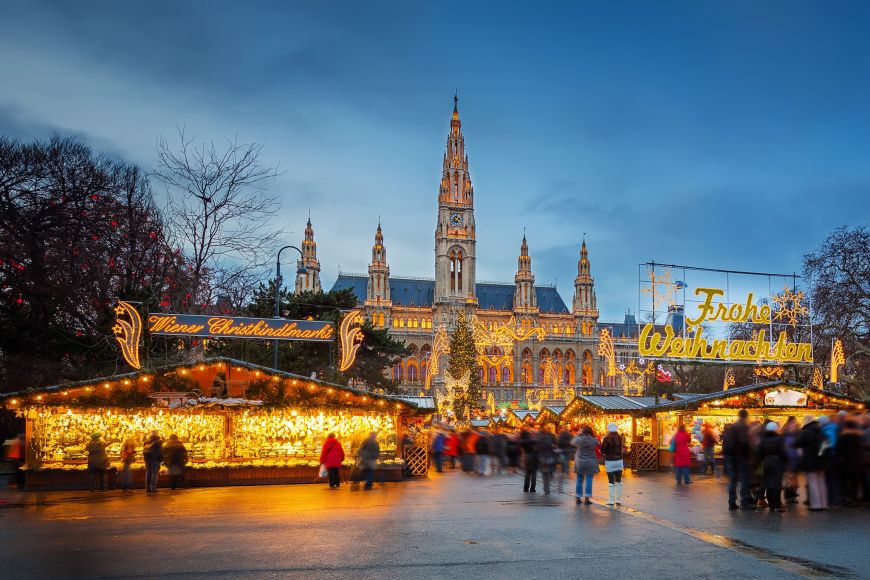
(527, 354)
(569, 355)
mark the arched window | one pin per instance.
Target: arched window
(587, 368)
(452, 270)
(412, 372)
(493, 375)
(527, 372)
(459, 270)
(506, 375)
(397, 372)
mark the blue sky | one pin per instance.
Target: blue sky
(720, 134)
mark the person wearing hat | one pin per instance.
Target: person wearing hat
(153, 455)
(813, 462)
(773, 456)
(98, 462)
(612, 450)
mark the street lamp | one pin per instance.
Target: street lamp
(301, 270)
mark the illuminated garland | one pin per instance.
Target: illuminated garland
(818, 380)
(769, 372)
(502, 336)
(605, 349)
(128, 332)
(634, 378)
(729, 380)
(838, 358)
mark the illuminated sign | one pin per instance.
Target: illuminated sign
(666, 342)
(785, 398)
(128, 332)
(239, 327)
(351, 337)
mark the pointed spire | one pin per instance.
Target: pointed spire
(310, 280)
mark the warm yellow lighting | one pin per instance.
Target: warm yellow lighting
(838, 358)
(729, 379)
(202, 367)
(14, 401)
(818, 382)
(605, 349)
(440, 347)
(38, 397)
(128, 333)
(500, 339)
(146, 379)
(66, 393)
(107, 386)
(126, 381)
(350, 337)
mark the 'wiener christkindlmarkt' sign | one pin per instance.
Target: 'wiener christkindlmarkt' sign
(128, 330)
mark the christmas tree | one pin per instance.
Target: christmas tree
(462, 358)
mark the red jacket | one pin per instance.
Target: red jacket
(332, 454)
(451, 446)
(682, 455)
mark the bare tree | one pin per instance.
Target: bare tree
(221, 214)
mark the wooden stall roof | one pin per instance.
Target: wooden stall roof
(835, 400)
(612, 404)
(419, 404)
(550, 414)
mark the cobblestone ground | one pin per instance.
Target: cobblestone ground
(451, 525)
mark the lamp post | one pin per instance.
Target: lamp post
(300, 270)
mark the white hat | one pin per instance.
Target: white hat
(808, 419)
(611, 427)
(772, 426)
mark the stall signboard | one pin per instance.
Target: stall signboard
(785, 398)
(723, 317)
(129, 327)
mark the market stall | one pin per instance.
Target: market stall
(271, 429)
(776, 401)
(521, 419)
(550, 418)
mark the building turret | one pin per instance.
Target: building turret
(585, 307)
(525, 298)
(378, 290)
(310, 280)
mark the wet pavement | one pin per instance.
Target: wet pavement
(449, 526)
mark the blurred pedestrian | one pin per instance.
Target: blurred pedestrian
(833, 470)
(790, 433)
(451, 448)
(98, 462)
(529, 445)
(812, 444)
(682, 455)
(16, 455)
(152, 453)
(497, 452)
(368, 455)
(612, 448)
(438, 444)
(547, 458)
(735, 448)
(774, 457)
(585, 463)
(566, 453)
(850, 457)
(128, 455)
(331, 457)
(481, 450)
(708, 447)
(175, 458)
(512, 450)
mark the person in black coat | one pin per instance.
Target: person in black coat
(529, 444)
(546, 458)
(850, 456)
(812, 444)
(773, 456)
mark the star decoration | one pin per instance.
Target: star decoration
(119, 309)
(661, 289)
(789, 306)
(117, 329)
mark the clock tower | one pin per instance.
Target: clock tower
(454, 233)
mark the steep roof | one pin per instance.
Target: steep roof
(421, 292)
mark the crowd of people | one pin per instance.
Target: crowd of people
(537, 452)
(768, 465)
(332, 457)
(155, 452)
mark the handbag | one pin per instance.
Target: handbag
(673, 446)
(323, 471)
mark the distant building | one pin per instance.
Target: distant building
(414, 308)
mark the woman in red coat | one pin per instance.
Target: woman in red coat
(682, 454)
(331, 457)
(451, 449)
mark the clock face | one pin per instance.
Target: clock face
(456, 219)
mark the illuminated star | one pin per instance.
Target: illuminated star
(119, 309)
(789, 306)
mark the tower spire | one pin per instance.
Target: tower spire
(309, 281)
(525, 297)
(585, 307)
(378, 290)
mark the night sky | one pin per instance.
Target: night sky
(722, 134)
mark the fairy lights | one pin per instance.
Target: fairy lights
(350, 336)
(838, 358)
(128, 332)
(605, 349)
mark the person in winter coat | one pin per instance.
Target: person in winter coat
(451, 448)
(850, 457)
(497, 450)
(708, 446)
(830, 430)
(813, 462)
(547, 458)
(98, 462)
(368, 455)
(512, 451)
(682, 454)
(566, 453)
(774, 457)
(175, 458)
(481, 449)
(438, 444)
(790, 432)
(585, 463)
(128, 454)
(611, 448)
(529, 445)
(153, 455)
(735, 448)
(331, 457)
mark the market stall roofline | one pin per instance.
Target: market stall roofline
(613, 402)
(696, 402)
(209, 361)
